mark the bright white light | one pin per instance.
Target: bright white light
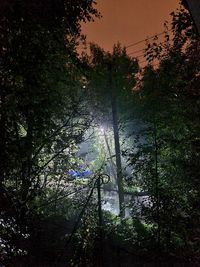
(102, 129)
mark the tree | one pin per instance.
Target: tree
(40, 107)
(110, 84)
(168, 111)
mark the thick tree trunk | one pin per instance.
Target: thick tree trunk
(117, 145)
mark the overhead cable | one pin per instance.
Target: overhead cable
(142, 50)
(148, 38)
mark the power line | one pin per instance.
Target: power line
(142, 55)
(143, 61)
(148, 38)
(135, 52)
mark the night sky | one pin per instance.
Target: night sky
(128, 21)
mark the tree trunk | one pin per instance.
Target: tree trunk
(112, 165)
(117, 145)
(157, 192)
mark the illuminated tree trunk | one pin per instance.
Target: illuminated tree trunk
(117, 145)
(112, 165)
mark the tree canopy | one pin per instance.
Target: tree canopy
(140, 125)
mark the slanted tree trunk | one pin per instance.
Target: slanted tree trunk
(112, 165)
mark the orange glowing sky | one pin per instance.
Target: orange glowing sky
(128, 21)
